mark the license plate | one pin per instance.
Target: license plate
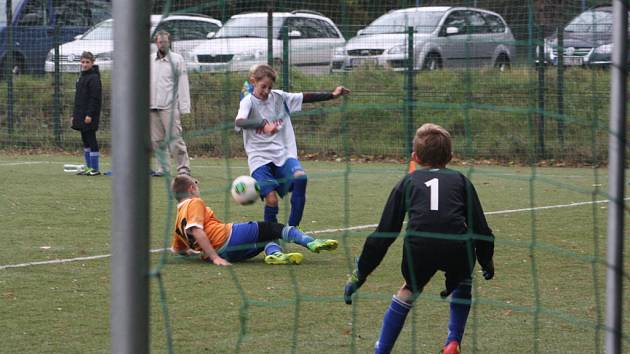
(573, 61)
(363, 61)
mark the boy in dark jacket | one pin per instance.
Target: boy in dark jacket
(87, 112)
(446, 231)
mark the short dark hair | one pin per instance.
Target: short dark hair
(162, 33)
(264, 70)
(432, 145)
(88, 55)
(180, 186)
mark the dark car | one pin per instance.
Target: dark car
(38, 24)
(587, 39)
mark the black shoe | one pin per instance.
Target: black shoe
(93, 172)
(157, 174)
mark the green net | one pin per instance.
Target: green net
(521, 99)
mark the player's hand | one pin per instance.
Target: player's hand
(340, 91)
(87, 119)
(488, 270)
(354, 283)
(221, 262)
(270, 128)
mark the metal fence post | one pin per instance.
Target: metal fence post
(57, 89)
(560, 89)
(270, 33)
(409, 103)
(285, 58)
(541, 93)
(8, 69)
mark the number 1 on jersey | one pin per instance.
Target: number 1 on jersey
(434, 185)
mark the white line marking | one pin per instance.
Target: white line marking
(360, 227)
(23, 163)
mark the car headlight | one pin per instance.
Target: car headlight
(341, 51)
(399, 49)
(250, 55)
(604, 49)
(107, 56)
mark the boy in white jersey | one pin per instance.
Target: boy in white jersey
(270, 144)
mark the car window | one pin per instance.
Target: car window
(3, 10)
(328, 29)
(456, 19)
(249, 26)
(495, 24)
(102, 31)
(182, 30)
(592, 21)
(300, 24)
(34, 13)
(476, 23)
(81, 13)
(397, 22)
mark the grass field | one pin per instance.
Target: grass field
(548, 295)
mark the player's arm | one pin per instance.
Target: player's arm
(208, 250)
(248, 123)
(484, 238)
(324, 96)
(378, 242)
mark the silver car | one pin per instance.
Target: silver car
(442, 37)
(242, 42)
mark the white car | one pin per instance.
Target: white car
(185, 30)
(242, 42)
(442, 37)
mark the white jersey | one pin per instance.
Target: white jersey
(263, 148)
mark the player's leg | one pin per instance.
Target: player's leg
(86, 153)
(459, 310)
(267, 182)
(94, 154)
(416, 277)
(394, 320)
(273, 231)
(295, 176)
(269, 232)
(177, 144)
(157, 139)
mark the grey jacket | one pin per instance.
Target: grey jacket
(169, 74)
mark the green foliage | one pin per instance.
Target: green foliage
(492, 115)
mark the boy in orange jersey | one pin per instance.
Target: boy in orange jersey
(198, 231)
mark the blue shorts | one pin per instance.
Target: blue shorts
(243, 243)
(273, 178)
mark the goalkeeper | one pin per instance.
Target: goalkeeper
(446, 231)
(199, 232)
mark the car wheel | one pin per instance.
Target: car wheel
(502, 63)
(432, 62)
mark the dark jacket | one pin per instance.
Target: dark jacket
(87, 100)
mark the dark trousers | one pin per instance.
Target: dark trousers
(89, 140)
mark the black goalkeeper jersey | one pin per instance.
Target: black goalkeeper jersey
(443, 210)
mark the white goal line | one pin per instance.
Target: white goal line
(351, 228)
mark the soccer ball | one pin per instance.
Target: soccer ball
(245, 190)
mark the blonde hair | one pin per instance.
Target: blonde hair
(432, 145)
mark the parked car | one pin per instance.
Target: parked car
(443, 37)
(186, 32)
(587, 39)
(242, 42)
(38, 24)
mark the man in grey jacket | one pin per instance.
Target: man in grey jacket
(170, 97)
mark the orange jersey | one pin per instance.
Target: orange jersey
(193, 212)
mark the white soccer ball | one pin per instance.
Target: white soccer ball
(245, 190)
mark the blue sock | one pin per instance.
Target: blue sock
(393, 322)
(298, 199)
(86, 157)
(271, 248)
(460, 307)
(271, 214)
(293, 234)
(94, 160)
